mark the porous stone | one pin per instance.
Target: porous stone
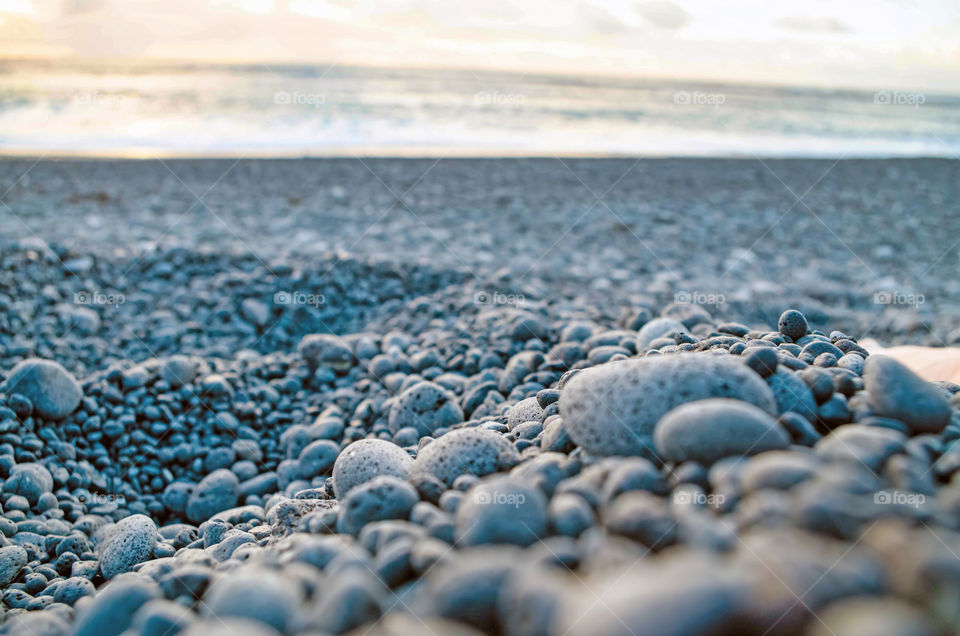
(792, 324)
(383, 497)
(612, 409)
(426, 407)
(12, 559)
(129, 542)
(467, 451)
(366, 459)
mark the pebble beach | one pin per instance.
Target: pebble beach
(477, 396)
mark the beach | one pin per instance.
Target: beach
(869, 244)
(451, 395)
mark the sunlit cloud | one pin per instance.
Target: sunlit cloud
(856, 42)
(664, 13)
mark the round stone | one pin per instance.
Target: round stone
(381, 498)
(524, 411)
(792, 393)
(501, 510)
(657, 328)
(792, 324)
(12, 559)
(898, 393)
(466, 451)
(366, 459)
(867, 445)
(53, 391)
(612, 409)
(708, 430)
(254, 593)
(217, 491)
(178, 370)
(317, 458)
(325, 350)
(426, 407)
(763, 360)
(129, 542)
(30, 480)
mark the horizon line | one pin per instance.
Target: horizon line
(544, 73)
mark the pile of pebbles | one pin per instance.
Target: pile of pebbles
(449, 468)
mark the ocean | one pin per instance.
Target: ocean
(148, 110)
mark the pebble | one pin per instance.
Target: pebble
(13, 558)
(217, 491)
(501, 510)
(383, 497)
(763, 360)
(658, 328)
(111, 611)
(178, 370)
(867, 445)
(792, 394)
(792, 324)
(469, 451)
(898, 393)
(30, 480)
(52, 390)
(707, 430)
(366, 459)
(129, 542)
(612, 409)
(317, 458)
(253, 593)
(524, 411)
(426, 407)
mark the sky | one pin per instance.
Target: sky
(878, 44)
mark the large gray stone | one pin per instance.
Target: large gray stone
(55, 393)
(708, 430)
(899, 393)
(611, 409)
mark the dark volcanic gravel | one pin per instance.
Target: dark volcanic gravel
(503, 408)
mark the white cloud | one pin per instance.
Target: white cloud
(664, 14)
(814, 24)
(757, 40)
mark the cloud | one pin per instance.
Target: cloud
(811, 24)
(664, 14)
